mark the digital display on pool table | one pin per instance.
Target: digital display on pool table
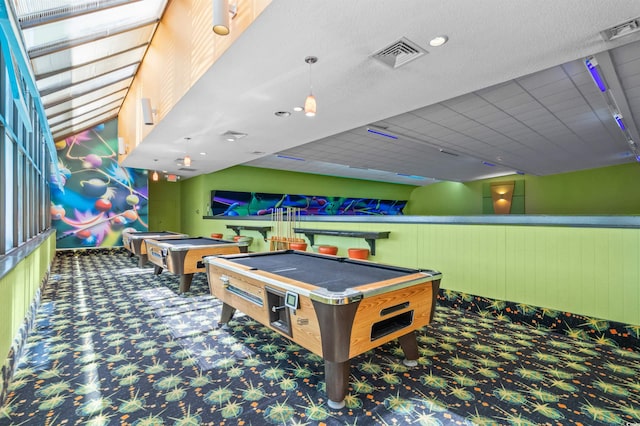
(291, 300)
(335, 307)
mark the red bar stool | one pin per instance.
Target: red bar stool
(358, 253)
(298, 246)
(216, 236)
(328, 250)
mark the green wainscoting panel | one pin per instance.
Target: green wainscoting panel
(587, 271)
(18, 289)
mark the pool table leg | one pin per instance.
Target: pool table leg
(336, 376)
(142, 260)
(185, 282)
(226, 315)
(157, 270)
(409, 345)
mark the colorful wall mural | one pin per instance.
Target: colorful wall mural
(232, 203)
(96, 199)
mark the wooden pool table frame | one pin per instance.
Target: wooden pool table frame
(337, 326)
(134, 242)
(187, 260)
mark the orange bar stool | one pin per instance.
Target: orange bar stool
(298, 246)
(328, 250)
(216, 236)
(358, 253)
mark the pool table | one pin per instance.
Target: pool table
(333, 306)
(184, 256)
(134, 242)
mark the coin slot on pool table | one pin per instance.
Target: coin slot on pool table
(392, 309)
(244, 294)
(278, 312)
(390, 325)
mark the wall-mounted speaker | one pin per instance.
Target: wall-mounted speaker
(147, 112)
(122, 149)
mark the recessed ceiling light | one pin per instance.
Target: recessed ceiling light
(203, 153)
(298, 109)
(282, 113)
(438, 41)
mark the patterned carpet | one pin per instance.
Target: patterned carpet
(115, 344)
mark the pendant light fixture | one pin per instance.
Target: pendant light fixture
(186, 161)
(154, 176)
(221, 17)
(310, 102)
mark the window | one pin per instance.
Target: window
(25, 154)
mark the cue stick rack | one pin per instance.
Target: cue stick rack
(283, 220)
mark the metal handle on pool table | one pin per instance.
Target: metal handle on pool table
(225, 281)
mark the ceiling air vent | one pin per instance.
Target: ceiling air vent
(186, 169)
(621, 30)
(232, 136)
(399, 53)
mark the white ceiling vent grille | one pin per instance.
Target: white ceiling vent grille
(621, 30)
(399, 53)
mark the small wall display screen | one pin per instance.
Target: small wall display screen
(291, 300)
(234, 203)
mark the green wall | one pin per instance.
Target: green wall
(445, 199)
(18, 290)
(604, 191)
(165, 209)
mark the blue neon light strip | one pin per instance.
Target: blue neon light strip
(411, 176)
(386, 135)
(618, 119)
(286, 157)
(591, 66)
(488, 164)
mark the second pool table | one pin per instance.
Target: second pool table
(184, 256)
